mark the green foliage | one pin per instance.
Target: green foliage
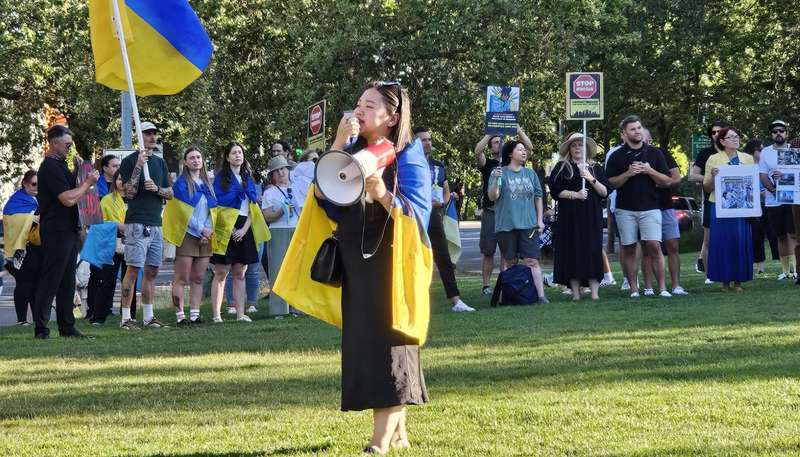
(677, 63)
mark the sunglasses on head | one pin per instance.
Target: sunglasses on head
(390, 83)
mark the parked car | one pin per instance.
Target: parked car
(690, 217)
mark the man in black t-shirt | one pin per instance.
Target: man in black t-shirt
(59, 226)
(696, 175)
(670, 229)
(488, 240)
(636, 170)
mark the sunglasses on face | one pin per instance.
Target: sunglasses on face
(776, 131)
(33, 184)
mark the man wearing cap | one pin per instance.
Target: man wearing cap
(58, 226)
(143, 238)
(778, 216)
(637, 170)
(486, 165)
(440, 199)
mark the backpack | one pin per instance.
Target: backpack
(516, 286)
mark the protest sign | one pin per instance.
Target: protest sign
(502, 110)
(89, 204)
(736, 191)
(787, 186)
(315, 133)
(584, 96)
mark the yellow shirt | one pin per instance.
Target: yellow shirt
(718, 160)
(113, 207)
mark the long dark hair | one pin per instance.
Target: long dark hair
(113, 187)
(508, 149)
(396, 100)
(224, 167)
(203, 173)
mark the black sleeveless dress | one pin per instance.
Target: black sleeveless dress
(380, 366)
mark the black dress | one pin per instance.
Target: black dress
(380, 366)
(578, 230)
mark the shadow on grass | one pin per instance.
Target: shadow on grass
(280, 451)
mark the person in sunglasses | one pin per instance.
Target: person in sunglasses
(779, 217)
(282, 210)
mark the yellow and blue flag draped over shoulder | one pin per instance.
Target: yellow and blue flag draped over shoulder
(18, 221)
(226, 212)
(113, 207)
(178, 210)
(412, 258)
(168, 47)
(451, 231)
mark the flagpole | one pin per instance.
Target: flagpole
(583, 154)
(129, 77)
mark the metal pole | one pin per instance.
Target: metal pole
(583, 154)
(131, 92)
(126, 137)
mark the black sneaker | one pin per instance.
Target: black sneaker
(42, 336)
(198, 321)
(75, 333)
(184, 322)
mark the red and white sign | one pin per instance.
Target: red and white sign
(584, 86)
(315, 120)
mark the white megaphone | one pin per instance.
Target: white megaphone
(341, 176)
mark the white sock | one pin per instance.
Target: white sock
(179, 316)
(194, 314)
(147, 313)
(126, 314)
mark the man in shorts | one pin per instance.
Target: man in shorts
(143, 239)
(636, 170)
(488, 239)
(779, 216)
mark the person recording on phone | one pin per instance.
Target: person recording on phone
(637, 170)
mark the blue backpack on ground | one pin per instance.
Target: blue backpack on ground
(516, 287)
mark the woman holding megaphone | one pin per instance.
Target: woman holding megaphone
(385, 257)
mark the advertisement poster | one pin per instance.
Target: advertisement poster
(502, 110)
(787, 187)
(584, 96)
(315, 133)
(736, 191)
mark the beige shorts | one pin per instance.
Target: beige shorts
(191, 247)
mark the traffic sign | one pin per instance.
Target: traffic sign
(584, 96)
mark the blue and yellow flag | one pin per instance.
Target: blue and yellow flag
(101, 241)
(226, 212)
(113, 207)
(451, 231)
(412, 259)
(18, 221)
(168, 47)
(178, 210)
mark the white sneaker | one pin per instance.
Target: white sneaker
(782, 277)
(679, 291)
(567, 291)
(244, 318)
(665, 294)
(461, 307)
(586, 290)
(635, 295)
(608, 282)
(708, 281)
(231, 310)
(649, 292)
(487, 290)
(625, 285)
(217, 320)
(252, 309)
(548, 279)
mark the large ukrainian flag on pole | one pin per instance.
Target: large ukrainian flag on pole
(167, 46)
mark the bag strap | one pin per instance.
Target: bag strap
(366, 255)
(496, 293)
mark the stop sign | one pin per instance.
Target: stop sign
(584, 86)
(315, 120)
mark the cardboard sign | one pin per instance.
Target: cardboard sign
(584, 96)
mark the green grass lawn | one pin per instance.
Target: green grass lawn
(711, 374)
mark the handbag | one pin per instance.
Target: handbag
(327, 266)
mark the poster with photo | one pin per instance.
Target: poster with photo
(787, 186)
(502, 110)
(736, 191)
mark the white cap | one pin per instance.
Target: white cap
(147, 125)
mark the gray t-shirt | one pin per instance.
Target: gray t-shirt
(515, 209)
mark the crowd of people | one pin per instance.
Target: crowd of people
(230, 223)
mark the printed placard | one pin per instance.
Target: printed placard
(584, 96)
(502, 110)
(736, 191)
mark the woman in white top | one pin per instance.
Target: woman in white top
(281, 208)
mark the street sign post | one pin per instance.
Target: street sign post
(315, 133)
